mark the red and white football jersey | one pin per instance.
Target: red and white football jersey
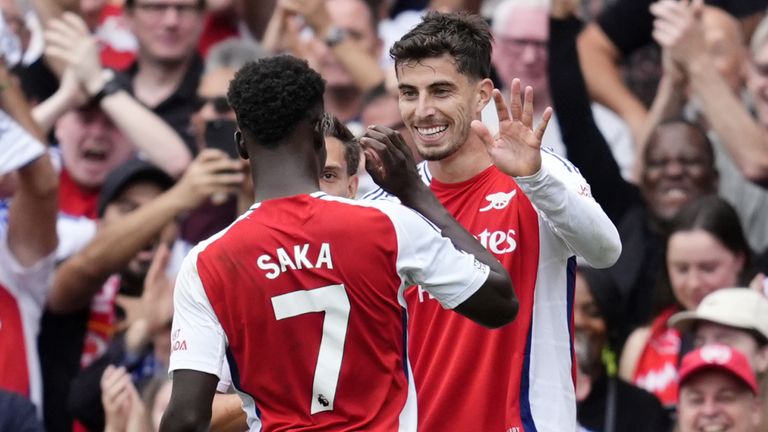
(303, 298)
(519, 377)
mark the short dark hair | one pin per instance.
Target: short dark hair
(334, 128)
(272, 95)
(467, 38)
(130, 4)
(715, 216)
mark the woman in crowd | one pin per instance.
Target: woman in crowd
(706, 251)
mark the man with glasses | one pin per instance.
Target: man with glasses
(167, 70)
(521, 34)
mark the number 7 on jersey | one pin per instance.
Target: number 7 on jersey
(332, 300)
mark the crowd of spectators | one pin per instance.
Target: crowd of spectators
(117, 156)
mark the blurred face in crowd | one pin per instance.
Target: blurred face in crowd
(133, 196)
(91, 146)
(90, 10)
(438, 103)
(678, 169)
(724, 44)
(699, 264)
(757, 83)
(167, 30)
(384, 111)
(714, 400)
(355, 18)
(335, 179)
(520, 49)
(707, 333)
(587, 318)
(212, 94)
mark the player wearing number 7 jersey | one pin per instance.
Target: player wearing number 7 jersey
(303, 295)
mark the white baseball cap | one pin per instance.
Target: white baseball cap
(733, 307)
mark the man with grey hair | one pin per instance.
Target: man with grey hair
(521, 31)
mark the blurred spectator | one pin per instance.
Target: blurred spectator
(125, 411)
(343, 46)
(737, 317)
(706, 251)
(623, 27)
(167, 70)
(757, 72)
(704, 54)
(717, 391)
(135, 213)
(521, 32)
(679, 168)
(606, 403)
(214, 126)
(27, 241)
(86, 84)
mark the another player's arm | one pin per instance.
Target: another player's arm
(199, 344)
(190, 406)
(391, 165)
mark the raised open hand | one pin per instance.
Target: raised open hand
(69, 40)
(678, 28)
(516, 149)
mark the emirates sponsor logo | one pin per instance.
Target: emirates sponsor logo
(498, 201)
(498, 242)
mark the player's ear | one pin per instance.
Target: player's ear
(484, 93)
(241, 150)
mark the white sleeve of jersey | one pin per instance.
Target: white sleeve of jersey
(18, 146)
(564, 200)
(198, 341)
(428, 259)
(34, 281)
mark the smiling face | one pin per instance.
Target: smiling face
(715, 401)
(699, 264)
(678, 169)
(91, 146)
(438, 103)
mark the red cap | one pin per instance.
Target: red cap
(718, 357)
